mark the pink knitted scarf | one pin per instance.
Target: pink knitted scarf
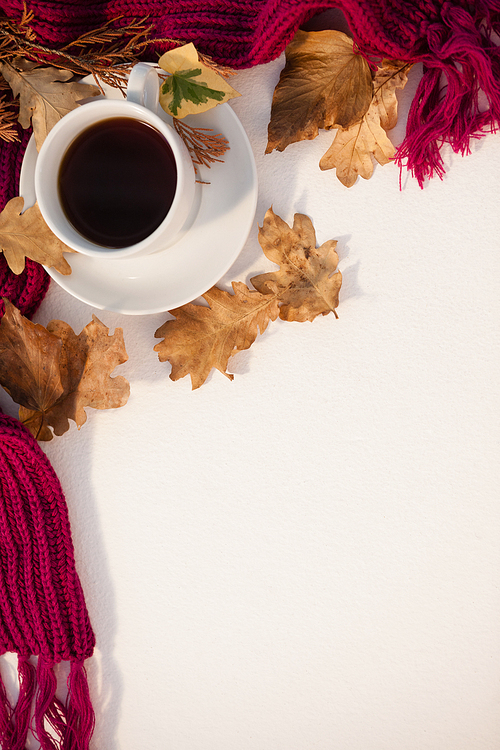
(43, 617)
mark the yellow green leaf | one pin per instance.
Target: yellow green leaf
(191, 86)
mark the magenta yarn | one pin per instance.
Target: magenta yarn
(42, 606)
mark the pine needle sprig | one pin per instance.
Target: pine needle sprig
(205, 147)
(8, 129)
(106, 53)
(222, 70)
(110, 52)
(15, 34)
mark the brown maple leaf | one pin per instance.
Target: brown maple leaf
(201, 338)
(53, 374)
(26, 235)
(307, 282)
(324, 84)
(352, 148)
(45, 95)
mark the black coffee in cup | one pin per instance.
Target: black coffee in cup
(117, 181)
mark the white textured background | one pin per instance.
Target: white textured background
(307, 558)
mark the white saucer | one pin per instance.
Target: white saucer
(218, 229)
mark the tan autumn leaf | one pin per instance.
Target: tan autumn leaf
(201, 338)
(53, 374)
(45, 96)
(352, 149)
(307, 281)
(29, 361)
(324, 84)
(390, 75)
(191, 86)
(26, 235)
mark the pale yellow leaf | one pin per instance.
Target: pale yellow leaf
(191, 86)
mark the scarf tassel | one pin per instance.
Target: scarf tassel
(56, 725)
(458, 97)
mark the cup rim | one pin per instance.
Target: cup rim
(51, 152)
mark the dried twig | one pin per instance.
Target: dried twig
(14, 34)
(204, 147)
(8, 131)
(106, 53)
(222, 70)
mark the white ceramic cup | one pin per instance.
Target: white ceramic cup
(141, 104)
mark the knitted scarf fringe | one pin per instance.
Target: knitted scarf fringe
(55, 725)
(458, 97)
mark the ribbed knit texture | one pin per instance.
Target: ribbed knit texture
(453, 39)
(42, 607)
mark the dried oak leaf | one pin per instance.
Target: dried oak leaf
(201, 338)
(390, 75)
(352, 148)
(307, 282)
(45, 96)
(351, 151)
(53, 374)
(324, 84)
(26, 235)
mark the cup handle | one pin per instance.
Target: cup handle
(144, 86)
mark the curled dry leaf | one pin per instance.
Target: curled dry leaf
(391, 75)
(306, 285)
(45, 96)
(191, 86)
(352, 148)
(351, 151)
(53, 374)
(307, 281)
(26, 235)
(324, 84)
(201, 338)
(29, 361)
